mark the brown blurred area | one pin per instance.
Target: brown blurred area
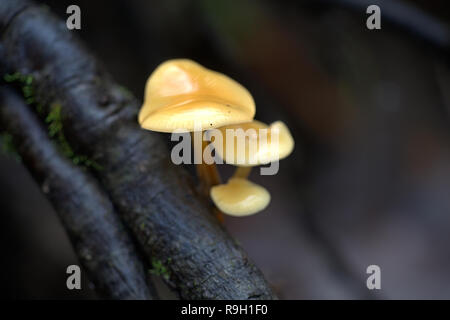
(369, 180)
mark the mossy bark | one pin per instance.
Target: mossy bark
(100, 240)
(154, 197)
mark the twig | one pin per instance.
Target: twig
(97, 234)
(173, 226)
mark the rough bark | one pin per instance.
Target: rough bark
(100, 240)
(173, 226)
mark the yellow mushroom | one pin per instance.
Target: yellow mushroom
(183, 96)
(240, 197)
(252, 144)
(260, 144)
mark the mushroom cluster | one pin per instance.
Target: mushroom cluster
(183, 96)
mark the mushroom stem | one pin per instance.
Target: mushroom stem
(212, 176)
(242, 172)
(206, 173)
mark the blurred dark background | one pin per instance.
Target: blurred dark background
(369, 180)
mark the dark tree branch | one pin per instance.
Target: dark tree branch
(404, 15)
(171, 223)
(100, 240)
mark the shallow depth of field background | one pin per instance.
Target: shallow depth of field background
(368, 182)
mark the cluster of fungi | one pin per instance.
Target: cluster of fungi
(181, 95)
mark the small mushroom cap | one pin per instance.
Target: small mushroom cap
(240, 197)
(181, 94)
(256, 149)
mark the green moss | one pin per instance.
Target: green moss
(7, 146)
(127, 93)
(17, 76)
(26, 83)
(159, 269)
(53, 119)
(55, 131)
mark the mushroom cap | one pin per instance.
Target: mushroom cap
(263, 152)
(240, 197)
(183, 95)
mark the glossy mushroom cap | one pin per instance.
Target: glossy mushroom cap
(256, 149)
(240, 197)
(181, 94)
